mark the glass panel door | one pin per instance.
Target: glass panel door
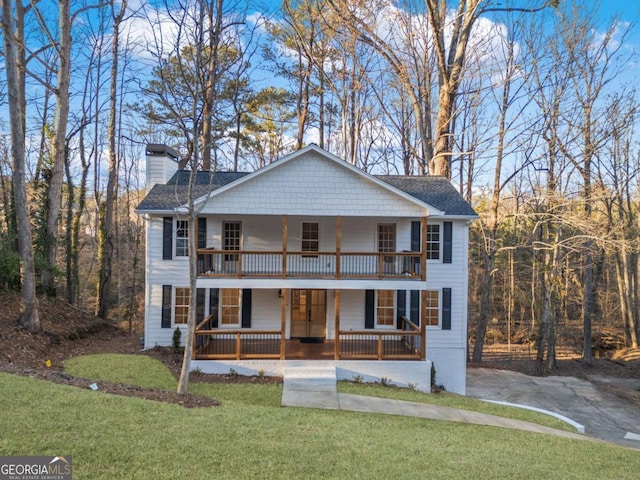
(387, 243)
(308, 313)
(231, 240)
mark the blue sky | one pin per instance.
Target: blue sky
(627, 9)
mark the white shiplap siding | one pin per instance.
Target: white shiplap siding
(312, 186)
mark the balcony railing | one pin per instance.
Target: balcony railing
(331, 265)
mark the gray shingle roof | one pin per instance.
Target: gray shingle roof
(174, 192)
(436, 191)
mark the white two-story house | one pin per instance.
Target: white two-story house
(311, 259)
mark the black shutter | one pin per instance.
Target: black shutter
(416, 228)
(246, 308)
(369, 308)
(167, 238)
(214, 294)
(200, 293)
(401, 307)
(447, 243)
(416, 232)
(202, 232)
(446, 309)
(166, 307)
(414, 307)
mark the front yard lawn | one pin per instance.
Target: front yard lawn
(251, 436)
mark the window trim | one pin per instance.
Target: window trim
(221, 305)
(393, 309)
(395, 236)
(438, 309)
(440, 242)
(179, 239)
(309, 253)
(174, 313)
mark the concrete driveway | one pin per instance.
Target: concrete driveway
(603, 414)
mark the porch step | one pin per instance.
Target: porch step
(311, 378)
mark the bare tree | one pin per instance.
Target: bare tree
(510, 91)
(13, 39)
(106, 228)
(590, 58)
(449, 37)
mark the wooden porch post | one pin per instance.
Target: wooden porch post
(338, 245)
(285, 234)
(283, 323)
(423, 249)
(423, 325)
(336, 312)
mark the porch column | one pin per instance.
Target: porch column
(338, 245)
(423, 249)
(423, 325)
(285, 234)
(336, 313)
(283, 323)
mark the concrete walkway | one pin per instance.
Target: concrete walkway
(604, 415)
(317, 389)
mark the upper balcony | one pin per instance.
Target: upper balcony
(324, 265)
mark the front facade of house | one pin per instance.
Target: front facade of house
(311, 260)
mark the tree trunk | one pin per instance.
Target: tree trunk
(106, 234)
(54, 201)
(29, 317)
(485, 302)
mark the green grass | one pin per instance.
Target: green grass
(148, 372)
(251, 436)
(137, 370)
(454, 401)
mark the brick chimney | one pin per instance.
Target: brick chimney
(162, 163)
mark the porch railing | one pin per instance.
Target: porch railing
(332, 265)
(405, 343)
(236, 344)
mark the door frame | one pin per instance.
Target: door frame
(309, 312)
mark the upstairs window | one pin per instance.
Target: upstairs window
(182, 238)
(231, 239)
(433, 242)
(310, 237)
(386, 237)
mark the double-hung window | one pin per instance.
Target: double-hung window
(432, 308)
(385, 308)
(181, 308)
(182, 238)
(230, 306)
(433, 242)
(310, 237)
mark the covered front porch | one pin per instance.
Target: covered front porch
(307, 331)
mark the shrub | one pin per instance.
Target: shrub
(175, 340)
